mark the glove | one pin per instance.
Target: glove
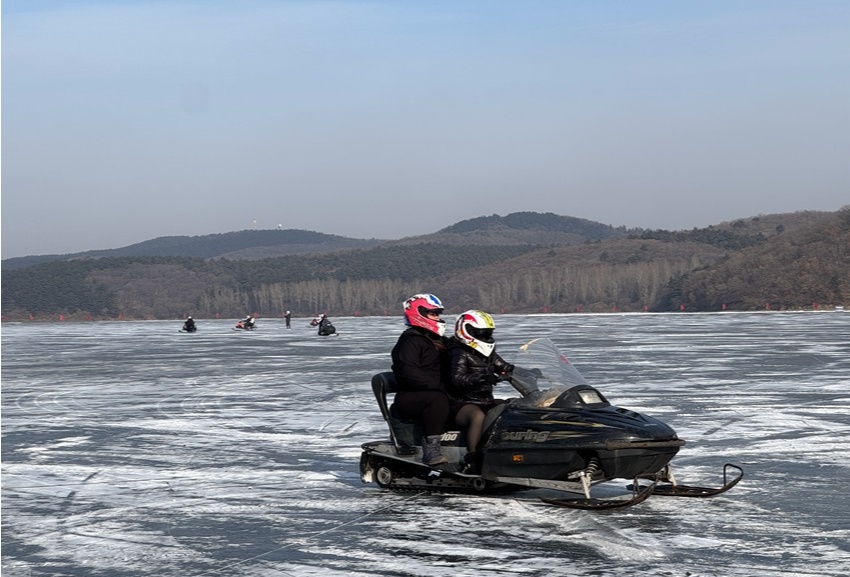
(503, 377)
(487, 380)
(525, 381)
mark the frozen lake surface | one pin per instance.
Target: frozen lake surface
(131, 449)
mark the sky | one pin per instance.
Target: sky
(124, 121)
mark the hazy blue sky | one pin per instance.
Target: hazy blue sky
(127, 120)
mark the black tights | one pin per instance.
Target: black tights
(472, 417)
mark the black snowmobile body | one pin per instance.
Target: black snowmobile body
(566, 437)
(550, 442)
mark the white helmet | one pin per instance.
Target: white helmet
(475, 330)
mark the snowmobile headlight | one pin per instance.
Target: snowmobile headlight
(590, 397)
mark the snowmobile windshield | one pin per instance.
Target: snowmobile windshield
(543, 374)
(555, 367)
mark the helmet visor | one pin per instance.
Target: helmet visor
(485, 334)
(430, 312)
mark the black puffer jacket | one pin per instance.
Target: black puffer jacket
(420, 361)
(468, 367)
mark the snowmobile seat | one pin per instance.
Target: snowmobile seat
(405, 434)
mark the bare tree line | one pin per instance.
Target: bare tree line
(567, 288)
(599, 287)
(372, 296)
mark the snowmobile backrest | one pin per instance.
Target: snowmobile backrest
(404, 434)
(384, 383)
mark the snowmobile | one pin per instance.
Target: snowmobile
(326, 328)
(562, 435)
(245, 326)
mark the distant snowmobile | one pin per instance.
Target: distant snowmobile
(189, 326)
(246, 324)
(567, 437)
(326, 328)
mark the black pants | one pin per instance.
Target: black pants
(430, 407)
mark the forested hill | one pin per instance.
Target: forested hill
(535, 221)
(522, 228)
(246, 244)
(529, 228)
(784, 261)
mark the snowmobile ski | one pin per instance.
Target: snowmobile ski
(638, 496)
(675, 490)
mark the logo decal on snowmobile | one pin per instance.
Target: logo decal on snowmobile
(449, 436)
(528, 435)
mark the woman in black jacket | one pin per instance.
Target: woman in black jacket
(475, 368)
(420, 366)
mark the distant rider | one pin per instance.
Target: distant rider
(326, 328)
(189, 325)
(288, 318)
(420, 365)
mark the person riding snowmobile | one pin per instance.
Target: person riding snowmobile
(475, 368)
(189, 325)
(420, 365)
(326, 328)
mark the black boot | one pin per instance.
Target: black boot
(472, 463)
(432, 452)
